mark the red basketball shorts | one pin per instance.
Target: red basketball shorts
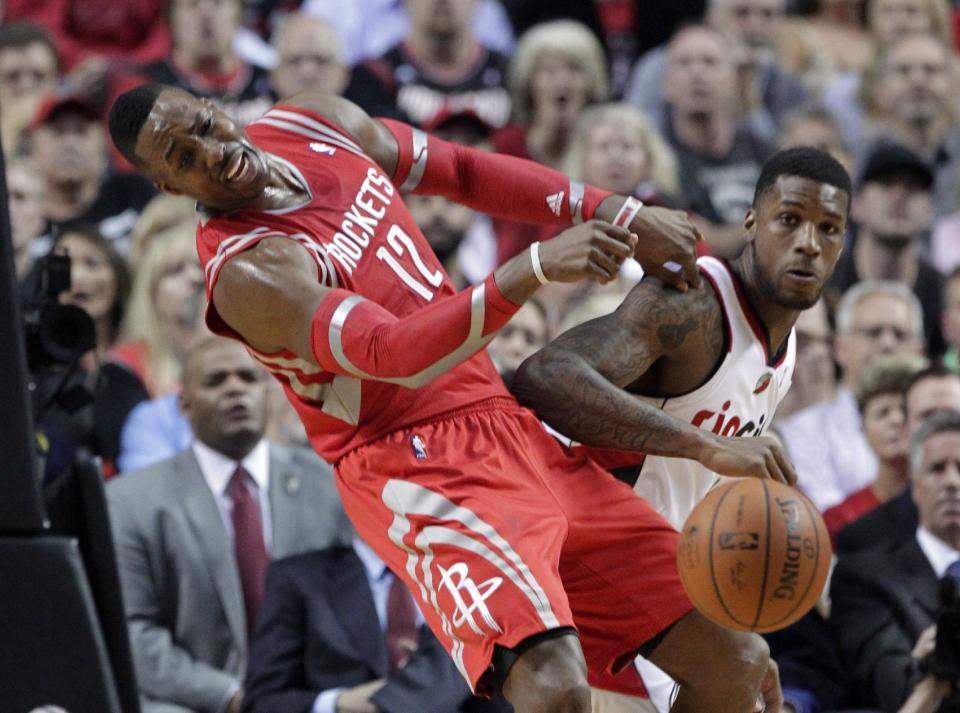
(501, 534)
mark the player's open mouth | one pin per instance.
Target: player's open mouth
(802, 275)
(238, 169)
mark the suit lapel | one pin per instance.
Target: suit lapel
(212, 538)
(923, 583)
(285, 487)
(352, 601)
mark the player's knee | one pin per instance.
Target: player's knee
(550, 677)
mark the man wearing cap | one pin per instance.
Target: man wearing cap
(68, 150)
(893, 211)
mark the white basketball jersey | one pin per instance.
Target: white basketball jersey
(739, 400)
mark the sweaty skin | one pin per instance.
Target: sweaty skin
(664, 343)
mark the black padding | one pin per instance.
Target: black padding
(52, 651)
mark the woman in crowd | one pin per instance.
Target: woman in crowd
(880, 399)
(166, 306)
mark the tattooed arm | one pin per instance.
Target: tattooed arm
(578, 383)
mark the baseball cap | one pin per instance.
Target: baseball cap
(886, 159)
(57, 103)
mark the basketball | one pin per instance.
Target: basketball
(754, 555)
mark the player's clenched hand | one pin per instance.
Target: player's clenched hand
(667, 246)
(595, 249)
(760, 457)
(770, 693)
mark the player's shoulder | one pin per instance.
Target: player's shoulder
(652, 301)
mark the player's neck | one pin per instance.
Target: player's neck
(877, 259)
(777, 320)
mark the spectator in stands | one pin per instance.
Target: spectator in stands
(885, 603)
(29, 69)
(309, 57)
(928, 391)
(617, 148)
(442, 66)
(557, 70)
(917, 90)
(524, 334)
(816, 127)
(165, 212)
(165, 311)
(852, 96)
(720, 158)
(951, 319)
(69, 151)
(195, 533)
(203, 60)
(339, 632)
(891, 213)
(766, 92)
(880, 396)
(872, 318)
(830, 41)
(814, 373)
(25, 203)
(85, 405)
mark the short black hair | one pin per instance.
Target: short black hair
(936, 370)
(17, 35)
(805, 162)
(128, 115)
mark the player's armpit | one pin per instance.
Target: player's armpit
(269, 294)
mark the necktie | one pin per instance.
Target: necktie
(954, 571)
(248, 544)
(401, 624)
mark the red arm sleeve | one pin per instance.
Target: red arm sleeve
(496, 184)
(356, 337)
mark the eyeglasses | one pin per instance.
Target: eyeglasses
(876, 331)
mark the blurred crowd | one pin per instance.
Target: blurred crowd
(678, 103)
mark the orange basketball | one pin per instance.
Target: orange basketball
(754, 555)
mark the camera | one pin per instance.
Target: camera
(56, 334)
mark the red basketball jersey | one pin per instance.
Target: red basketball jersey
(362, 237)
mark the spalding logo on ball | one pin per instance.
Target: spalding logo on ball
(754, 555)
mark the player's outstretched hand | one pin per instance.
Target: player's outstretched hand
(760, 457)
(667, 246)
(595, 249)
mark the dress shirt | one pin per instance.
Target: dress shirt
(827, 446)
(939, 554)
(380, 578)
(217, 471)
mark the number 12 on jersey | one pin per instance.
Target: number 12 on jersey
(401, 244)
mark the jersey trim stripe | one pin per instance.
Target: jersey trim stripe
(315, 125)
(727, 328)
(303, 131)
(474, 342)
(419, 165)
(576, 201)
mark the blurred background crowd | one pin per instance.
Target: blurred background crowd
(678, 103)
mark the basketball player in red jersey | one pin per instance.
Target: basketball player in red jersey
(526, 562)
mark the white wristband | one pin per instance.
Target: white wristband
(537, 267)
(628, 211)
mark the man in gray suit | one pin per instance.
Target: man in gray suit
(195, 533)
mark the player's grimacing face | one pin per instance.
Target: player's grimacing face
(189, 146)
(796, 232)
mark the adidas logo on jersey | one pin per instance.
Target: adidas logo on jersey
(555, 203)
(323, 148)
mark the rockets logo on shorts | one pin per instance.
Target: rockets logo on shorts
(419, 447)
(462, 589)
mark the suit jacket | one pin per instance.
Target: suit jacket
(882, 600)
(894, 522)
(179, 576)
(318, 629)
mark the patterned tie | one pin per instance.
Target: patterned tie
(248, 544)
(401, 624)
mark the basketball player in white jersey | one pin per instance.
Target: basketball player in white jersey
(671, 375)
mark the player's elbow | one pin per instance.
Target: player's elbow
(531, 384)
